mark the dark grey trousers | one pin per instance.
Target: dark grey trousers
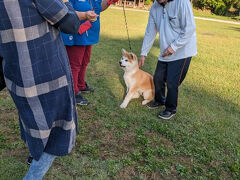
(169, 76)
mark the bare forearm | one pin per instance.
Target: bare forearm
(82, 15)
(89, 15)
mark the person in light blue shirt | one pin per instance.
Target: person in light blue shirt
(79, 45)
(174, 21)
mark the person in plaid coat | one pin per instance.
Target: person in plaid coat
(38, 77)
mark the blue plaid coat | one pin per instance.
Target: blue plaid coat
(37, 74)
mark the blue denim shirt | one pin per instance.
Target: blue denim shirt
(91, 36)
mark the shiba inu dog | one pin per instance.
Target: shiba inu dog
(138, 82)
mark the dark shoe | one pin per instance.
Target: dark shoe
(29, 161)
(166, 114)
(87, 90)
(80, 100)
(154, 104)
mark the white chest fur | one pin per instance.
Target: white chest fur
(129, 80)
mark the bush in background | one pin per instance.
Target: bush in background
(219, 7)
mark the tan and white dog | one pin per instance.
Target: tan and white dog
(138, 82)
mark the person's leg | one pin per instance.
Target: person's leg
(39, 168)
(83, 68)
(176, 73)
(75, 55)
(159, 83)
(185, 70)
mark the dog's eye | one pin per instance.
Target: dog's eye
(126, 60)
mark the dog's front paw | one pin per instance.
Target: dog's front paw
(123, 105)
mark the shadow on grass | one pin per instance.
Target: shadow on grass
(206, 129)
(203, 130)
(111, 50)
(216, 118)
(196, 99)
(234, 28)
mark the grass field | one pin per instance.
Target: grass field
(198, 13)
(208, 14)
(201, 142)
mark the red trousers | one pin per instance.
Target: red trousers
(79, 57)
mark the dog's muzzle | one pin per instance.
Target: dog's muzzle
(121, 64)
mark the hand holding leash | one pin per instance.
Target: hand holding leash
(91, 16)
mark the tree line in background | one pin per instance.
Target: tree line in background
(220, 7)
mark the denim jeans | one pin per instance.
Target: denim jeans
(39, 168)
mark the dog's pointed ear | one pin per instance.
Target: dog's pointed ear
(124, 51)
(133, 56)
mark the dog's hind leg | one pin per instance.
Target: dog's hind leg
(136, 95)
(144, 102)
(148, 96)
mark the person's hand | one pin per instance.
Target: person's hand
(91, 16)
(64, 1)
(168, 52)
(109, 2)
(141, 61)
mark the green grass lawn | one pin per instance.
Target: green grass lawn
(208, 14)
(198, 13)
(201, 142)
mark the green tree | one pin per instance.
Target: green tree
(237, 6)
(147, 2)
(220, 7)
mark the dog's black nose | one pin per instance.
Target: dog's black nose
(120, 62)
